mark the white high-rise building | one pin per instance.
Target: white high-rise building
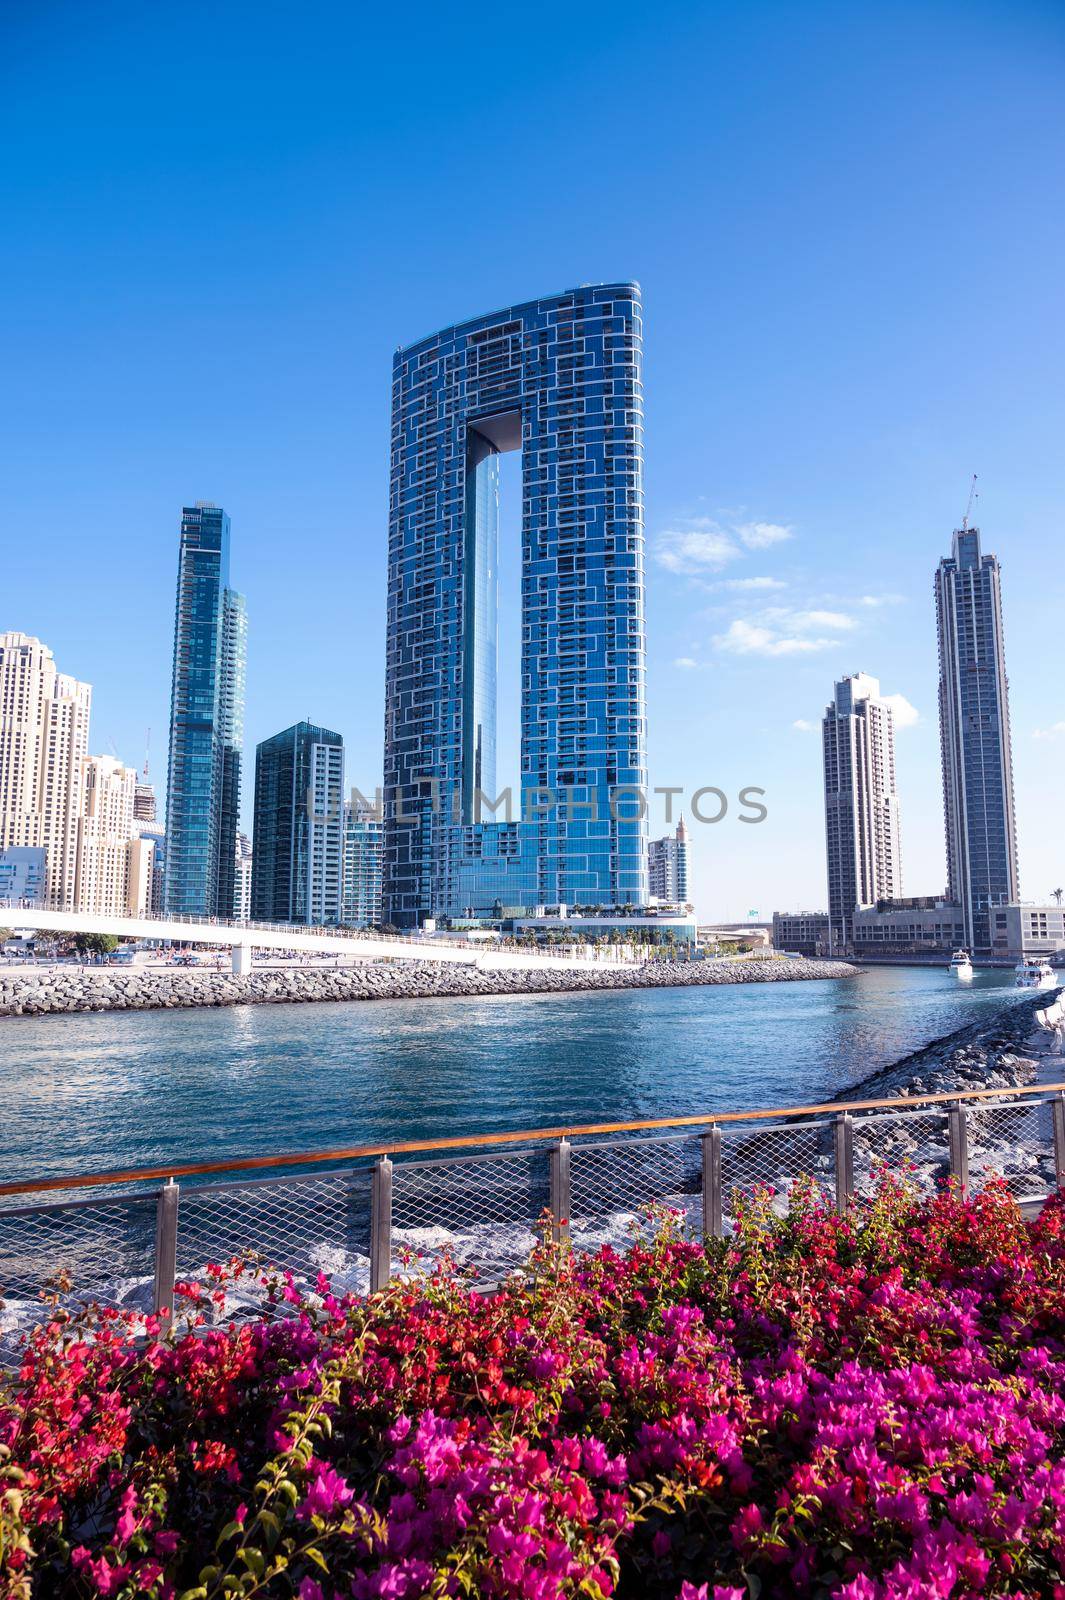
(861, 805)
(114, 874)
(44, 737)
(667, 867)
(363, 865)
(242, 889)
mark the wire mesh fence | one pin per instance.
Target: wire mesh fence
(487, 1207)
(72, 1252)
(916, 1144)
(304, 1226)
(611, 1184)
(483, 1210)
(1016, 1142)
(774, 1158)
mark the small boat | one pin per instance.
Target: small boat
(960, 964)
(1035, 975)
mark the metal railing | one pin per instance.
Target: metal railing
(354, 1214)
(411, 937)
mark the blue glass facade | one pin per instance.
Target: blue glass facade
(559, 379)
(974, 723)
(297, 843)
(206, 722)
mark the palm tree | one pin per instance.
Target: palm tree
(1057, 894)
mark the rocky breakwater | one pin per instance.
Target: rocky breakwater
(1022, 1045)
(59, 990)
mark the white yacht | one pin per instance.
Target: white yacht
(960, 964)
(1035, 975)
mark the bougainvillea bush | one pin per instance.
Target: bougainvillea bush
(867, 1406)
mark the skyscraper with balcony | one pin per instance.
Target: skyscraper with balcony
(667, 867)
(974, 730)
(206, 721)
(114, 876)
(44, 740)
(363, 829)
(861, 805)
(559, 380)
(297, 858)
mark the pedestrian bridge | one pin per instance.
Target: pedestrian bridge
(244, 937)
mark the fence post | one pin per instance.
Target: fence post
(381, 1225)
(959, 1147)
(560, 1190)
(711, 1147)
(1057, 1112)
(166, 1226)
(843, 1141)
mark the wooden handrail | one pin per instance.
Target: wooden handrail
(469, 1141)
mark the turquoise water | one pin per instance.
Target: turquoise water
(85, 1093)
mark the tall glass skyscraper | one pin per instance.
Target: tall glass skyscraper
(559, 380)
(206, 721)
(974, 730)
(297, 843)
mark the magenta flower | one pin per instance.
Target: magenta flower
(325, 1492)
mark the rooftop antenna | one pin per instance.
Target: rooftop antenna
(973, 497)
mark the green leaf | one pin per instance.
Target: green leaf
(252, 1559)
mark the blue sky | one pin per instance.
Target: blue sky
(849, 225)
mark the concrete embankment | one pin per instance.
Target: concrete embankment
(75, 990)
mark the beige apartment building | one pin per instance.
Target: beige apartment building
(54, 796)
(114, 874)
(44, 738)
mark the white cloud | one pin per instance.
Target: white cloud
(760, 535)
(685, 663)
(802, 725)
(696, 545)
(752, 583)
(1055, 731)
(881, 599)
(695, 549)
(904, 714)
(837, 621)
(745, 638)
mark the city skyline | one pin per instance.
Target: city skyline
(841, 328)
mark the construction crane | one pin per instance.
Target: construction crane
(973, 497)
(147, 747)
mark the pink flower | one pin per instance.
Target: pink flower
(105, 1578)
(326, 1492)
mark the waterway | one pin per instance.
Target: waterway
(88, 1092)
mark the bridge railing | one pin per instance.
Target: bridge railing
(340, 931)
(147, 922)
(124, 1237)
